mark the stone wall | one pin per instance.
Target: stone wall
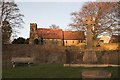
(55, 54)
(52, 42)
(110, 46)
(42, 54)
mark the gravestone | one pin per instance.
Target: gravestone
(89, 55)
(96, 75)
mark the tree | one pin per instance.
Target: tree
(27, 41)
(10, 13)
(104, 14)
(19, 40)
(6, 32)
(54, 26)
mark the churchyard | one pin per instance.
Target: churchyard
(57, 53)
(49, 62)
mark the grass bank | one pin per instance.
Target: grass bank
(50, 71)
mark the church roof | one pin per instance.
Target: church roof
(48, 33)
(56, 33)
(115, 38)
(74, 35)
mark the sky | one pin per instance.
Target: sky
(46, 13)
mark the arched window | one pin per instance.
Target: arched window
(73, 41)
(81, 41)
(36, 41)
(66, 42)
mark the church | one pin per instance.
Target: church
(55, 36)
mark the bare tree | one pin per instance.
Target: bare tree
(54, 26)
(10, 13)
(104, 14)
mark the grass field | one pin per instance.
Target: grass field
(49, 71)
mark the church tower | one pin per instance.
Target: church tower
(33, 33)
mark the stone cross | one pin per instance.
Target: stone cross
(90, 55)
(89, 22)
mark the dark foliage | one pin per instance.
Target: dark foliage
(6, 32)
(19, 40)
(27, 41)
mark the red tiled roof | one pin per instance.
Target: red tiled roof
(114, 36)
(48, 33)
(115, 39)
(74, 35)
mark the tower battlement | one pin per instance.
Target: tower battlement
(33, 30)
(33, 25)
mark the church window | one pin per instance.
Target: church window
(31, 29)
(73, 41)
(66, 42)
(81, 41)
(36, 41)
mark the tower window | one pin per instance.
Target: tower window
(81, 41)
(66, 42)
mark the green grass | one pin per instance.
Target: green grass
(49, 71)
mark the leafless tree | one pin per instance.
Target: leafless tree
(105, 15)
(10, 13)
